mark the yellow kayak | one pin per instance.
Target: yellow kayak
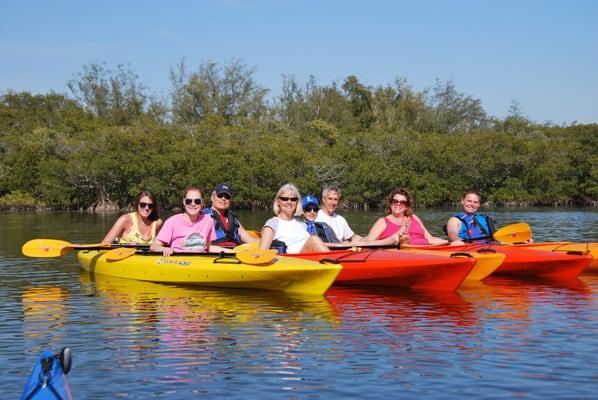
(486, 263)
(563, 247)
(282, 273)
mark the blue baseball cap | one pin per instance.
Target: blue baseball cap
(309, 199)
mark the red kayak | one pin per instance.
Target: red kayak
(530, 262)
(374, 267)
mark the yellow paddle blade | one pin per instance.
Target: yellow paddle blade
(247, 246)
(120, 253)
(256, 256)
(514, 233)
(254, 234)
(46, 248)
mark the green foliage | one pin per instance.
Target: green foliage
(19, 201)
(112, 140)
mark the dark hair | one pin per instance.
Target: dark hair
(408, 196)
(146, 193)
(472, 191)
(193, 187)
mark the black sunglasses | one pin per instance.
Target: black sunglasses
(293, 199)
(311, 209)
(223, 196)
(196, 201)
(148, 205)
(401, 202)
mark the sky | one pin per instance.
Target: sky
(543, 54)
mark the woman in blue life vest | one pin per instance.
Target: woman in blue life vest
(229, 231)
(468, 225)
(311, 206)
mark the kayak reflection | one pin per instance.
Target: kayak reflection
(186, 326)
(44, 311)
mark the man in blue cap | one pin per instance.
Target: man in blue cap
(311, 206)
(229, 231)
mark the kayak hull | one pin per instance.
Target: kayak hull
(281, 274)
(395, 269)
(529, 262)
(563, 247)
(486, 263)
(47, 383)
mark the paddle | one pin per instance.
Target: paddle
(245, 255)
(513, 233)
(57, 248)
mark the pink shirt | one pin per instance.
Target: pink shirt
(416, 231)
(184, 236)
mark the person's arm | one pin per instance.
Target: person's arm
(245, 236)
(159, 246)
(117, 229)
(453, 226)
(159, 224)
(266, 238)
(431, 239)
(375, 231)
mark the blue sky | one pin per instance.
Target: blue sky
(542, 53)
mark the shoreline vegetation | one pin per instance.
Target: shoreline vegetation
(95, 147)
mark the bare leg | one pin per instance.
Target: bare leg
(314, 245)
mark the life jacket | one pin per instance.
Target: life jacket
(225, 235)
(323, 231)
(475, 227)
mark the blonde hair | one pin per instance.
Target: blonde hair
(289, 187)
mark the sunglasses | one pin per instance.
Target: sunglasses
(144, 205)
(223, 196)
(311, 209)
(399, 202)
(190, 201)
(293, 199)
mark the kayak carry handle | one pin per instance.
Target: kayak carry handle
(461, 254)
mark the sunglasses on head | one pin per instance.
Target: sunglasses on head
(144, 205)
(196, 201)
(293, 199)
(223, 196)
(311, 209)
(399, 202)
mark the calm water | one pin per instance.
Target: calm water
(500, 338)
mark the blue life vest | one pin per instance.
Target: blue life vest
(224, 235)
(322, 230)
(475, 227)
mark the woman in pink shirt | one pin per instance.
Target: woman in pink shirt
(188, 232)
(401, 225)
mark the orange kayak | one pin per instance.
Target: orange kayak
(564, 247)
(529, 262)
(374, 267)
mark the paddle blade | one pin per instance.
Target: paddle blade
(120, 253)
(247, 246)
(514, 233)
(254, 234)
(256, 256)
(46, 248)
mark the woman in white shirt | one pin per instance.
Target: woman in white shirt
(284, 227)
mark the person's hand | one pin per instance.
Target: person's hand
(167, 252)
(404, 238)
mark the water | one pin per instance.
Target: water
(500, 338)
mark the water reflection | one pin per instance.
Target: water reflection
(44, 312)
(181, 329)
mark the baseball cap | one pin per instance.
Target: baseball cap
(223, 188)
(309, 199)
